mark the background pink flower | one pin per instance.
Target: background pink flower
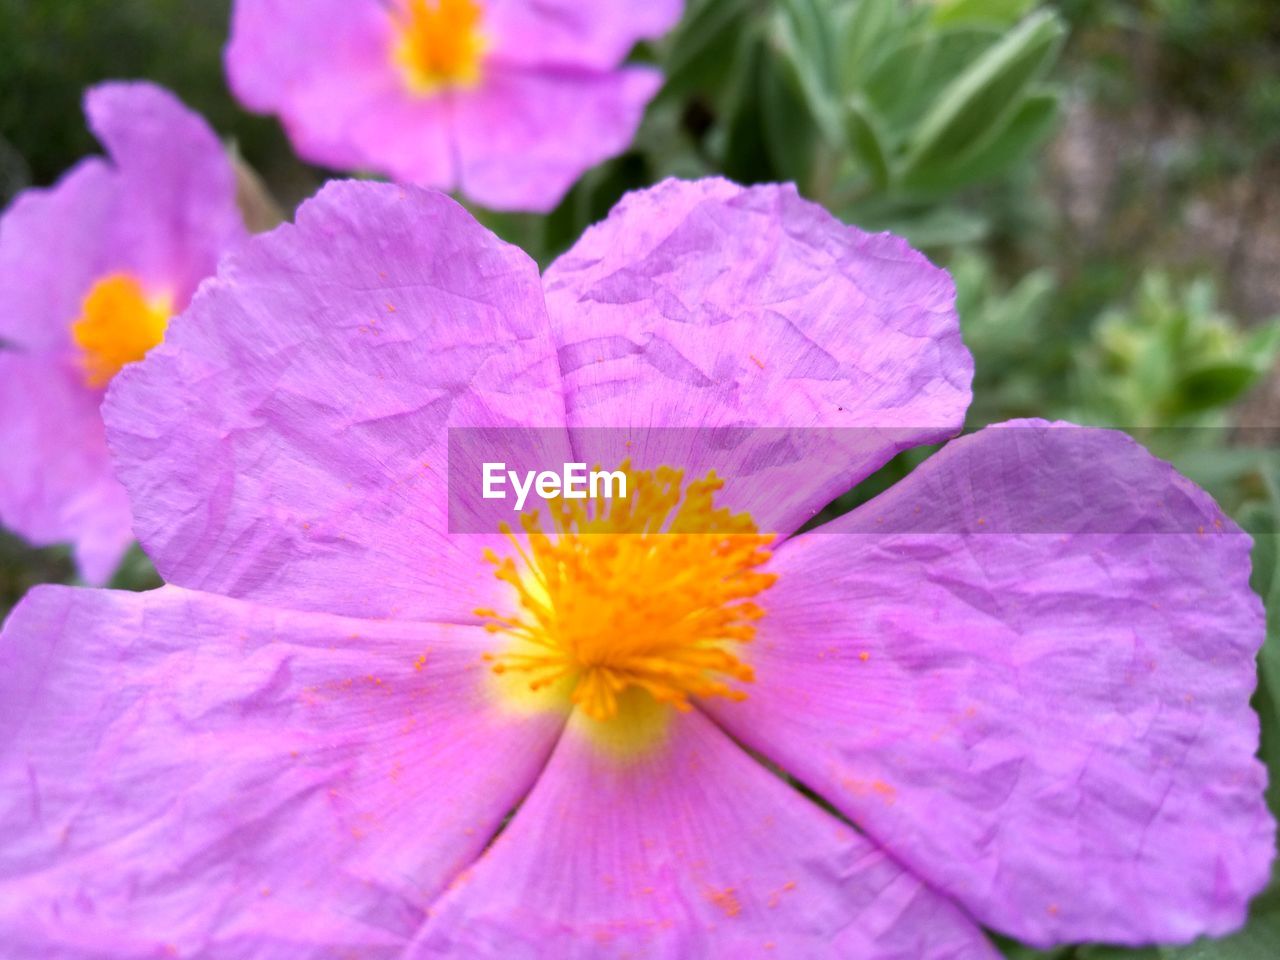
(90, 270)
(508, 101)
(1023, 673)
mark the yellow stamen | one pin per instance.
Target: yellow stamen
(118, 324)
(439, 44)
(651, 592)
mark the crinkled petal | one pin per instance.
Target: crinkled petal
(188, 775)
(569, 32)
(690, 850)
(524, 136)
(287, 443)
(1026, 671)
(177, 210)
(51, 251)
(56, 483)
(707, 305)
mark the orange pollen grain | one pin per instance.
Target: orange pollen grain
(653, 591)
(117, 325)
(439, 44)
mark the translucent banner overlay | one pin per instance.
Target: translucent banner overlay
(1015, 479)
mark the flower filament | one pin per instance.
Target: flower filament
(653, 591)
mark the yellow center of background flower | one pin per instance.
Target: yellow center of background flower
(439, 45)
(118, 324)
(651, 592)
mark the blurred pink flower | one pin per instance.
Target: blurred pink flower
(90, 271)
(508, 101)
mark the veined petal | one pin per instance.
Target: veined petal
(1026, 671)
(287, 443)
(706, 305)
(188, 774)
(690, 850)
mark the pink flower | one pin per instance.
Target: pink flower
(1022, 675)
(90, 272)
(508, 101)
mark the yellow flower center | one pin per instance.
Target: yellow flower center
(439, 44)
(118, 324)
(649, 592)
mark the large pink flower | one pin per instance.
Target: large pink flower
(90, 271)
(509, 101)
(1019, 680)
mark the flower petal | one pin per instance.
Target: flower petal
(177, 209)
(326, 68)
(524, 136)
(287, 443)
(51, 251)
(1026, 672)
(708, 305)
(278, 46)
(572, 33)
(56, 484)
(206, 777)
(691, 850)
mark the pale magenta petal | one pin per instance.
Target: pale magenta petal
(368, 122)
(193, 776)
(287, 443)
(163, 209)
(277, 46)
(1025, 671)
(691, 850)
(707, 305)
(177, 211)
(524, 136)
(325, 67)
(56, 484)
(550, 100)
(573, 33)
(51, 252)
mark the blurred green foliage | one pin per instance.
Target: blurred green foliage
(1094, 173)
(51, 50)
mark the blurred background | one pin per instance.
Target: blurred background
(1099, 176)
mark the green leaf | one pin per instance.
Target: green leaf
(804, 57)
(1214, 385)
(1005, 146)
(813, 29)
(789, 128)
(995, 84)
(912, 76)
(1263, 344)
(867, 141)
(706, 41)
(862, 30)
(746, 154)
(929, 227)
(1002, 12)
